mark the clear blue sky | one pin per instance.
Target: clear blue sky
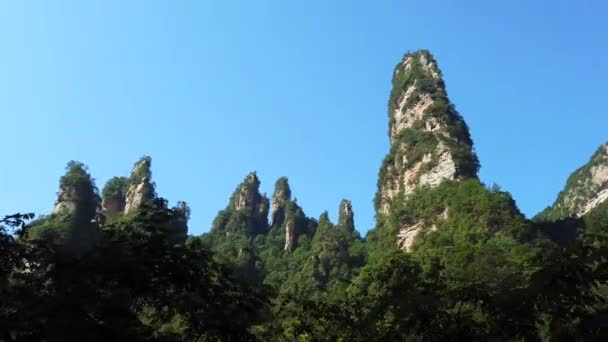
(215, 89)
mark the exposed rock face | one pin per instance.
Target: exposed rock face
(294, 225)
(346, 216)
(430, 142)
(141, 188)
(77, 193)
(408, 233)
(290, 235)
(263, 208)
(67, 201)
(280, 199)
(247, 196)
(586, 188)
(139, 194)
(247, 200)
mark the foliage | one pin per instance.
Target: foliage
(483, 273)
(72, 226)
(136, 284)
(346, 216)
(579, 189)
(417, 75)
(281, 186)
(141, 170)
(116, 187)
(476, 271)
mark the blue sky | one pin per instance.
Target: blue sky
(215, 89)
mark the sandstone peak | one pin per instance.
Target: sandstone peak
(430, 141)
(280, 199)
(585, 189)
(141, 188)
(77, 192)
(247, 194)
(294, 225)
(114, 195)
(346, 218)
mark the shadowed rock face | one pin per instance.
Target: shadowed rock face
(246, 201)
(113, 205)
(248, 194)
(67, 201)
(290, 235)
(77, 193)
(73, 225)
(430, 142)
(280, 199)
(114, 196)
(586, 188)
(294, 225)
(141, 188)
(346, 216)
(248, 197)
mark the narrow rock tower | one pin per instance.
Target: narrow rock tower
(430, 142)
(346, 218)
(280, 199)
(141, 188)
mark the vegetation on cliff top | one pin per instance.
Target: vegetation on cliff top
(478, 270)
(579, 189)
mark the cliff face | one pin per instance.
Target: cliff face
(280, 199)
(294, 225)
(346, 217)
(430, 142)
(67, 200)
(247, 197)
(77, 195)
(585, 189)
(247, 212)
(141, 188)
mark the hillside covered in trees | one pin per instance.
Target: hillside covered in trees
(449, 258)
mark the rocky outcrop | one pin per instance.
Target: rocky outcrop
(141, 188)
(263, 208)
(114, 196)
(247, 211)
(280, 199)
(295, 224)
(585, 189)
(430, 141)
(290, 235)
(77, 195)
(247, 196)
(408, 232)
(67, 201)
(346, 216)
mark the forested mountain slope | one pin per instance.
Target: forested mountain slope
(448, 259)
